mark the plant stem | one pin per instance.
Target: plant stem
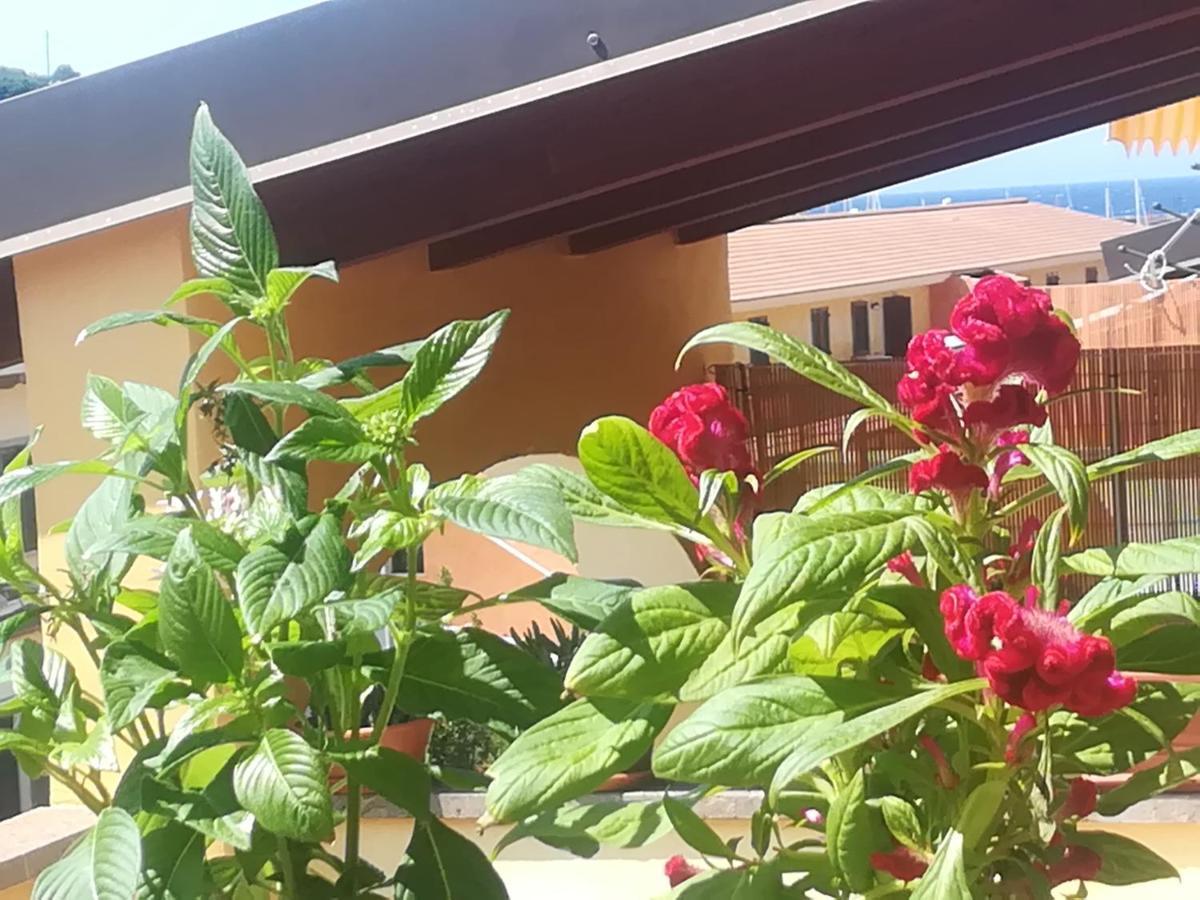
(353, 815)
(289, 872)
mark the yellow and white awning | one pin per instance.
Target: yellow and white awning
(1175, 127)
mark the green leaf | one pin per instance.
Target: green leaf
(247, 425)
(221, 288)
(833, 494)
(1175, 446)
(335, 440)
(581, 601)
(803, 359)
(1168, 774)
(282, 285)
(274, 586)
(652, 642)
(1095, 609)
(1068, 475)
(819, 745)
(763, 653)
(104, 865)
(283, 782)
(979, 813)
(1046, 558)
(286, 393)
(359, 615)
(445, 363)
(16, 482)
(582, 828)
(569, 754)
(809, 557)
(106, 509)
(920, 607)
(114, 413)
(741, 735)
(131, 675)
(946, 877)
(444, 865)
(1171, 557)
(1125, 861)
(199, 360)
(155, 536)
(474, 674)
(349, 369)
(172, 864)
(838, 498)
(717, 884)
(504, 508)
(41, 677)
(694, 831)
(196, 621)
(902, 821)
(848, 834)
(638, 471)
(1161, 634)
(232, 236)
(788, 463)
(161, 317)
(585, 501)
(398, 778)
(306, 658)
(839, 638)
(1139, 620)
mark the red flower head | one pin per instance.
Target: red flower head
(1012, 405)
(901, 863)
(946, 472)
(1033, 658)
(1011, 330)
(679, 870)
(1006, 459)
(1081, 799)
(704, 430)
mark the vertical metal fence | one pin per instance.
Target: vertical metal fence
(788, 413)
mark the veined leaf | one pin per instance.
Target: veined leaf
(581, 601)
(1146, 783)
(848, 833)
(652, 642)
(358, 615)
(585, 501)
(809, 557)
(1124, 860)
(569, 754)
(739, 736)
(104, 865)
(221, 288)
(232, 236)
(335, 440)
(196, 621)
(504, 508)
(283, 283)
(443, 865)
(349, 369)
(155, 536)
(161, 317)
(819, 745)
(283, 783)
(803, 359)
(394, 776)
(289, 394)
(787, 464)
(694, 831)
(474, 674)
(1171, 557)
(107, 509)
(1046, 558)
(131, 675)
(1067, 473)
(247, 425)
(1095, 609)
(16, 482)
(638, 471)
(274, 586)
(831, 499)
(172, 864)
(837, 492)
(947, 874)
(583, 828)
(41, 676)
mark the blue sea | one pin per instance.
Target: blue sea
(1178, 194)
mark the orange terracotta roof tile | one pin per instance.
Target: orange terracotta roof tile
(825, 252)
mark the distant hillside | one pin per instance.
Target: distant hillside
(18, 81)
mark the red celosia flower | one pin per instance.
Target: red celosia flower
(929, 403)
(904, 565)
(1081, 799)
(1013, 752)
(1012, 405)
(1011, 330)
(946, 776)
(704, 429)
(1076, 864)
(947, 472)
(929, 669)
(901, 863)
(1033, 658)
(679, 870)
(1006, 460)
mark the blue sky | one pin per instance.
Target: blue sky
(92, 35)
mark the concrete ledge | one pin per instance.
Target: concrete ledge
(33, 840)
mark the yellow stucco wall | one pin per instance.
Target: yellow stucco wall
(14, 416)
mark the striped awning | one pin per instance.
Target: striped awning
(1175, 127)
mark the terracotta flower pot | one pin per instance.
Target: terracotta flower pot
(410, 738)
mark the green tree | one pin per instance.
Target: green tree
(18, 81)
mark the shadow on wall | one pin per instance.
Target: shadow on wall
(492, 567)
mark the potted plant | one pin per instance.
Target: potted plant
(898, 671)
(269, 602)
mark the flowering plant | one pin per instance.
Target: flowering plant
(900, 673)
